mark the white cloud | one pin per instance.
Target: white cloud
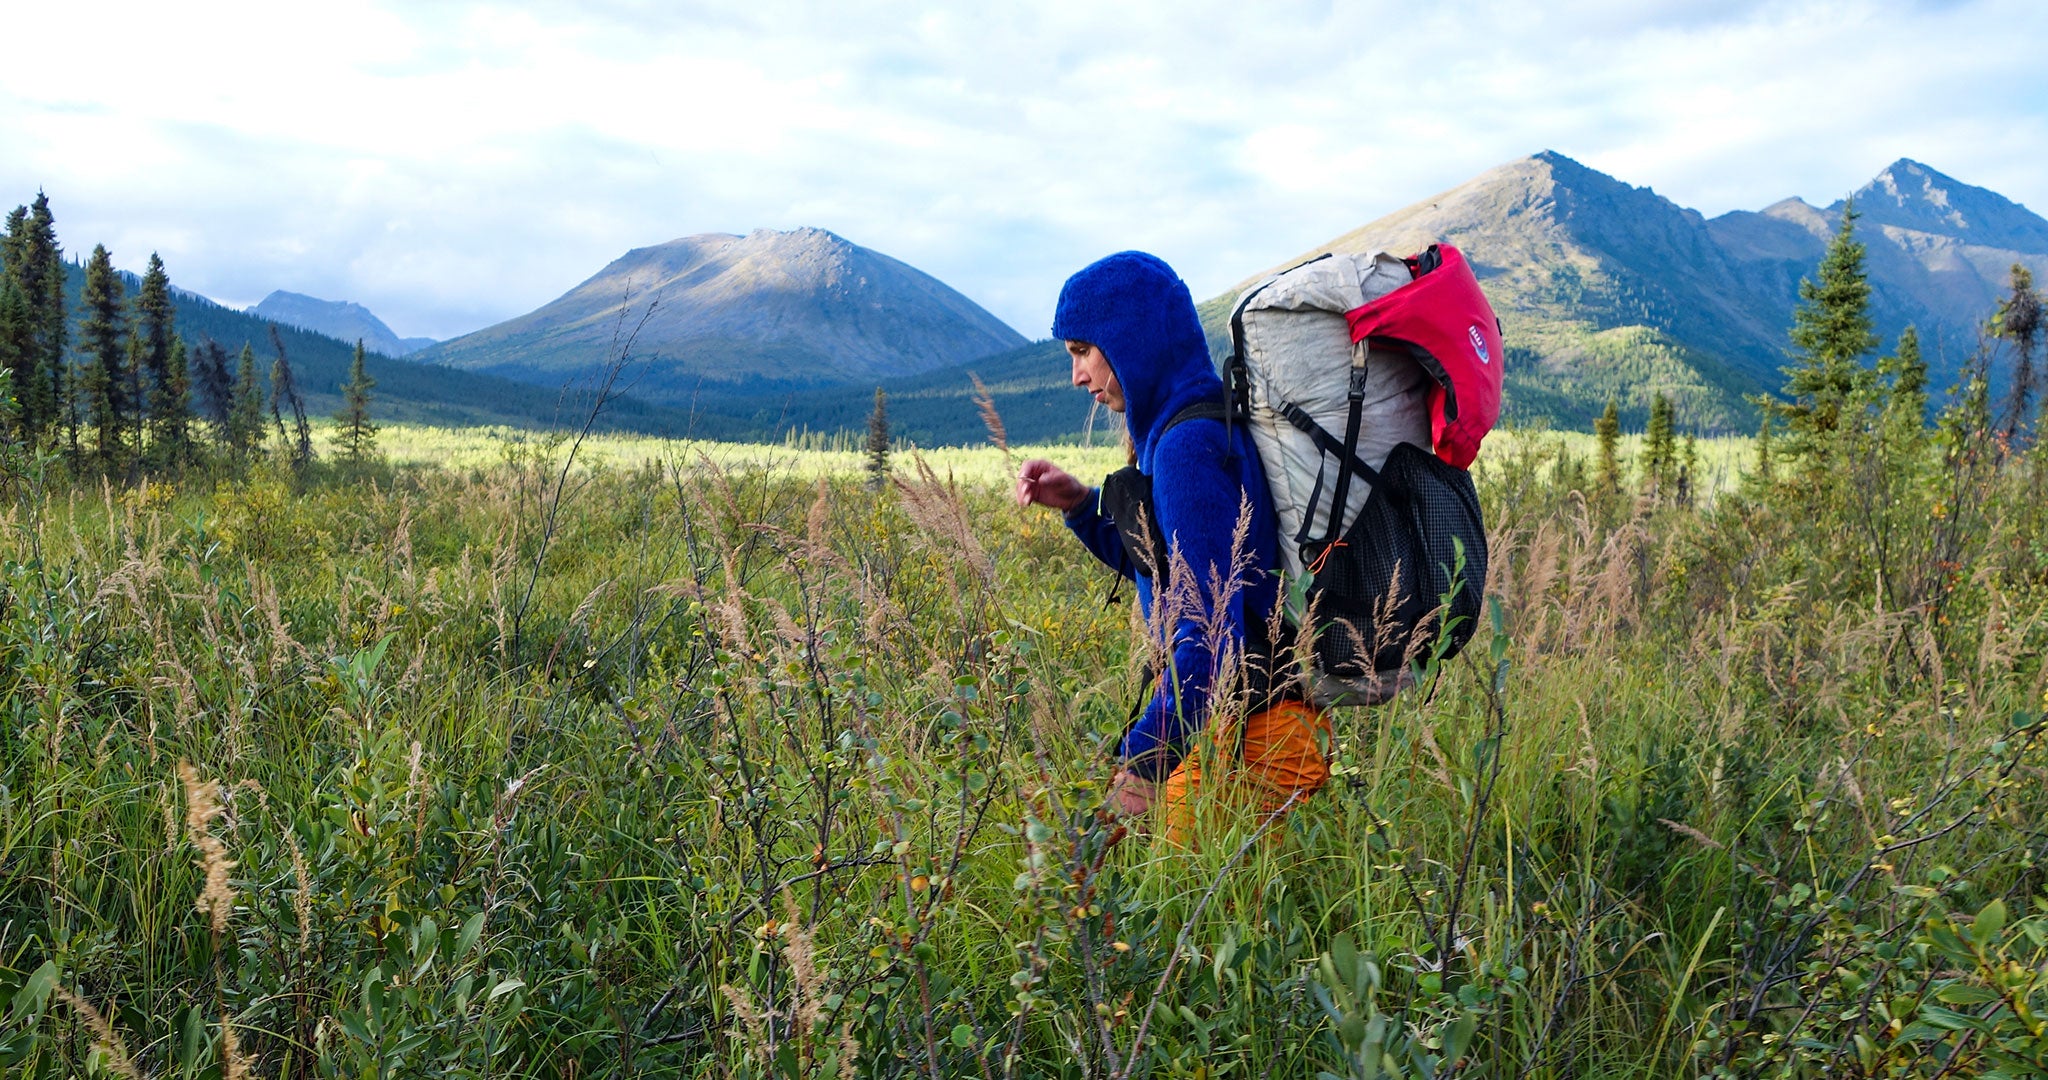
(451, 165)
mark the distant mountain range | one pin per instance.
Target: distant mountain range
(337, 319)
(405, 391)
(763, 313)
(1604, 289)
(1608, 289)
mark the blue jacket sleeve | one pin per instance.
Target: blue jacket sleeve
(1098, 534)
(1197, 500)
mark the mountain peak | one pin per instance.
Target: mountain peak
(1909, 195)
(343, 319)
(792, 306)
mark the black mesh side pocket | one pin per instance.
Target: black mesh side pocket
(1377, 592)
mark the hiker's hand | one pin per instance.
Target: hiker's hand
(1042, 482)
(1130, 794)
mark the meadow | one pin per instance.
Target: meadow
(711, 761)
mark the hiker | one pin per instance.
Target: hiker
(1137, 345)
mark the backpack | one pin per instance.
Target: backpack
(1368, 382)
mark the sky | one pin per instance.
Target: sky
(453, 165)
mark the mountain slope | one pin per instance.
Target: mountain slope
(1602, 288)
(770, 310)
(337, 319)
(1940, 252)
(405, 390)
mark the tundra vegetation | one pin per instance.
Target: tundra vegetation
(713, 766)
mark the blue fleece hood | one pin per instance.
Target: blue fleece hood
(1135, 309)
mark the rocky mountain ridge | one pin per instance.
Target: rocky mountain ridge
(1605, 288)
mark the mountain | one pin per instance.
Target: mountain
(1603, 288)
(338, 319)
(770, 312)
(1940, 256)
(1608, 289)
(405, 391)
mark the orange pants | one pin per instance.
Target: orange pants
(1282, 759)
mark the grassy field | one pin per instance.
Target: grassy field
(707, 761)
(415, 446)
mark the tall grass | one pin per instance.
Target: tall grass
(743, 769)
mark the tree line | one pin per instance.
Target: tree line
(113, 388)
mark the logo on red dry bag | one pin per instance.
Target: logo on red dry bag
(1478, 343)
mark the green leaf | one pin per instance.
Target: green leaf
(963, 1036)
(1965, 994)
(35, 993)
(505, 987)
(1948, 1019)
(1991, 921)
(472, 929)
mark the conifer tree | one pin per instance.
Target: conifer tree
(355, 434)
(171, 412)
(103, 383)
(284, 391)
(17, 355)
(216, 389)
(245, 418)
(1904, 374)
(1832, 331)
(2019, 322)
(1608, 429)
(154, 318)
(878, 441)
(35, 265)
(1660, 444)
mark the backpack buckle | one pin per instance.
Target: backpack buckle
(1357, 391)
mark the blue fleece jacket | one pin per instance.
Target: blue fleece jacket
(1139, 313)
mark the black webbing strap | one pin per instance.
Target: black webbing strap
(1308, 520)
(1344, 460)
(1327, 442)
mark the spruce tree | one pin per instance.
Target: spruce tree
(1832, 331)
(171, 412)
(1904, 374)
(1608, 428)
(154, 318)
(1660, 444)
(355, 434)
(44, 275)
(2019, 322)
(284, 391)
(17, 356)
(245, 418)
(35, 266)
(878, 441)
(103, 383)
(216, 389)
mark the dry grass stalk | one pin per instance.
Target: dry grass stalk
(302, 899)
(1691, 833)
(104, 1038)
(202, 805)
(235, 1065)
(416, 783)
(985, 403)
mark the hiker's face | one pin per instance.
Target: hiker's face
(1092, 373)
